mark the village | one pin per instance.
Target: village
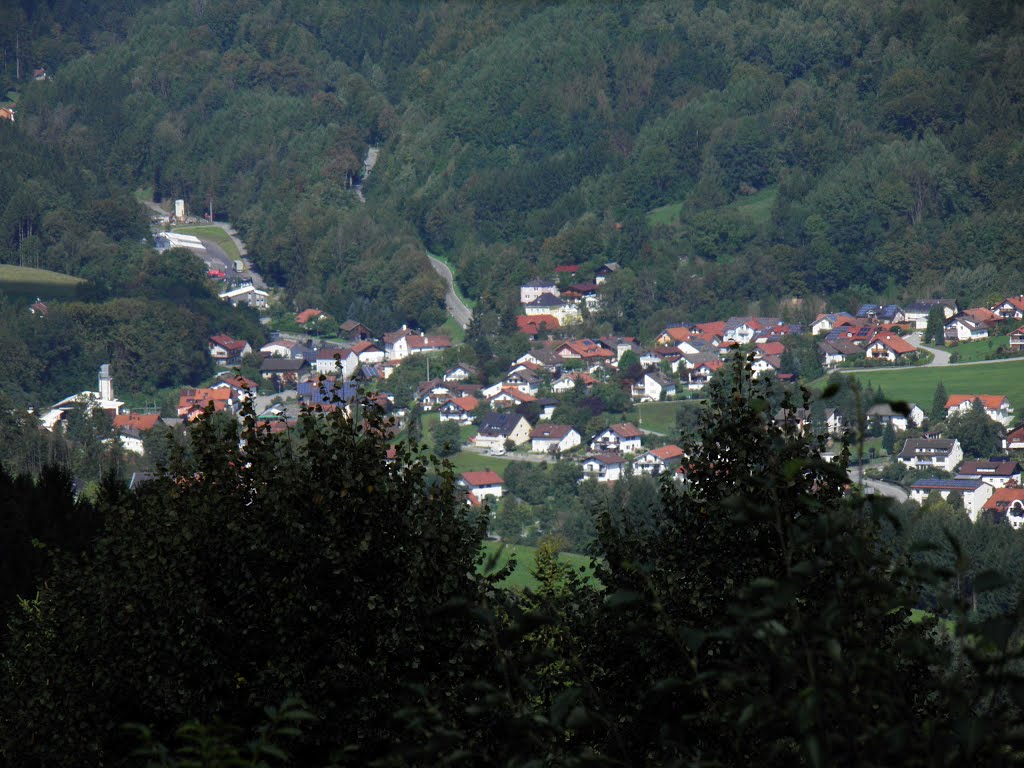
(532, 413)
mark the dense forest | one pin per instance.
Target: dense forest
(725, 153)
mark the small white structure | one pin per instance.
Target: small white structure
(623, 438)
(658, 460)
(883, 414)
(334, 361)
(482, 485)
(103, 399)
(246, 294)
(935, 453)
(165, 240)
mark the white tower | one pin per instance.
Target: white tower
(106, 383)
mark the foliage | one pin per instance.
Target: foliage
(447, 438)
(979, 435)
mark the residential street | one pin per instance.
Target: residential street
(878, 486)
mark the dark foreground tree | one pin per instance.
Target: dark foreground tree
(245, 575)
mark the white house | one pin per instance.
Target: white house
(931, 453)
(964, 329)
(336, 361)
(883, 414)
(1008, 504)
(534, 289)
(998, 474)
(247, 294)
(459, 409)
(605, 467)
(622, 438)
(974, 492)
(368, 352)
(658, 460)
(496, 428)
(554, 438)
(483, 485)
(287, 348)
(997, 407)
(652, 386)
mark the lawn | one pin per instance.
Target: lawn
(917, 385)
(30, 283)
(666, 214)
(215, 235)
(756, 207)
(660, 417)
(978, 350)
(521, 576)
(453, 330)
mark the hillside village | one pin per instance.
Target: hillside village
(580, 400)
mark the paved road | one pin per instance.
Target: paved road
(878, 486)
(535, 458)
(941, 355)
(453, 303)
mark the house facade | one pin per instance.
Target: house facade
(619, 438)
(997, 407)
(974, 492)
(934, 453)
(554, 438)
(604, 467)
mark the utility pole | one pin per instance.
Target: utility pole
(17, 55)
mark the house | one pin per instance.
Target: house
(883, 414)
(835, 353)
(544, 359)
(510, 397)
(857, 334)
(247, 294)
(890, 314)
(554, 438)
(461, 372)
(588, 293)
(240, 387)
(998, 474)
(355, 331)
(404, 343)
(6, 113)
(459, 409)
(997, 407)
(287, 348)
(192, 402)
(963, 328)
(766, 364)
(39, 308)
(497, 428)
(824, 323)
(793, 418)
(328, 392)
(336, 361)
(931, 453)
(534, 289)
(567, 382)
(1006, 504)
(547, 406)
(433, 394)
(40, 74)
(658, 460)
(835, 422)
(482, 485)
(974, 492)
(103, 399)
(130, 428)
(674, 334)
(1010, 308)
(537, 325)
(652, 387)
(1017, 340)
(604, 467)
(567, 269)
(587, 350)
(917, 313)
(524, 380)
(228, 351)
(308, 315)
(546, 304)
(1015, 440)
(368, 352)
(700, 375)
(605, 271)
(744, 330)
(622, 438)
(888, 346)
(284, 372)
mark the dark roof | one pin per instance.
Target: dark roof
(499, 424)
(283, 365)
(943, 484)
(317, 393)
(916, 445)
(546, 300)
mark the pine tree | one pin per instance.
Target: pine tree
(938, 410)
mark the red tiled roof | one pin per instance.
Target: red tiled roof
(240, 382)
(625, 430)
(668, 452)
(982, 315)
(893, 342)
(517, 394)
(717, 328)
(530, 324)
(141, 422)
(772, 348)
(465, 403)
(306, 315)
(479, 479)
(428, 342)
(991, 402)
(571, 269)
(1001, 498)
(364, 346)
(228, 343)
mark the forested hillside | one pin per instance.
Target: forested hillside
(723, 152)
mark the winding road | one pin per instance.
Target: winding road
(879, 487)
(456, 308)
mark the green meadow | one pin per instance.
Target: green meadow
(29, 283)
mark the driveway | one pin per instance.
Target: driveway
(879, 487)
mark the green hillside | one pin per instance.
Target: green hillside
(28, 282)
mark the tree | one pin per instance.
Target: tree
(938, 409)
(414, 430)
(512, 519)
(250, 573)
(889, 437)
(979, 435)
(447, 438)
(935, 331)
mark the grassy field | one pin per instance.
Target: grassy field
(917, 385)
(215, 235)
(660, 417)
(666, 214)
(29, 283)
(521, 576)
(978, 350)
(453, 330)
(756, 207)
